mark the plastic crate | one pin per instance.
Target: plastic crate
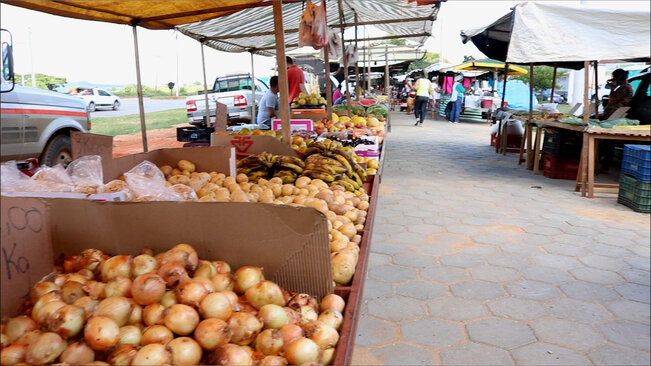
(564, 144)
(642, 188)
(636, 162)
(512, 141)
(632, 196)
(559, 168)
(194, 134)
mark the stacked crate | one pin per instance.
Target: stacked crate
(560, 154)
(635, 180)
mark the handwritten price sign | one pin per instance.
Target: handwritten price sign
(26, 252)
(91, 144)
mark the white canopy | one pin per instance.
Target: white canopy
(548, 32)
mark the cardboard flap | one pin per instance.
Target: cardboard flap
(26, 249)
(253, 144)
(91, 144)
(291, 244)
(221, 117)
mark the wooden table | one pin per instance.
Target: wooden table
(585, 179)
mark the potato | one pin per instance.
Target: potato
(222, 194)
(337, 245)
(186, 165)
(245, 186)
(241, 178)
(176, 171)
(239, 196)
(300, 200)
(208, 198)
(185, 191)
(166, 169)
(363, 205)
(302, 182)
(343, 266)
(276, 180)
(349, 230)
(303, 191)
(287, 189)
(197, 182)
(277, 189)
(187, 173)
(179, 179)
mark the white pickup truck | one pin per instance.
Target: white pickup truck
(232, 90)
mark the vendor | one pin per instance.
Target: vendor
(269, 104)
(621, 93)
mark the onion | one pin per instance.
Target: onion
(45, 349)
(232, 297)
(323, 335)
(191, 293)
(299, 300)
(147, 289)
(95, 288)
(272, 316)
(263, 293)
(173, 273)
(327, 356)
(153, 314)
(223, 281)
(41, 288)
(49, 297)
(18, 326)
(136, 314)
(148, 251)
(246, 277)
(244, 306)
(293, 317)
(13, 354)
(28, 337)
(273, 361)
(152, 354)
(333, 302)
(123, 355)
(206, 270)
(130, 334)
(216, 305)
(181, 319)
(4, 340)
(222, 267)
(185, 351)
(87, 273)
(98, 363)
(301, 351)
(183, 254)
(291, 332)
(120, 265)
(117, 308)
(71, 291)
(90, 259)
(77, 353)
(47, 310)
(156, 334)
(119, 286)
(269, 342)
(230, 354)
(71, 263)
(142, 264)
(212, 333)
(101, 333)
(76, 277)
(207, 283)
(59, 279)
(67, 321)
(308, 314)
(245, 327)
(168, 299)
(88, 304)
(332, 318)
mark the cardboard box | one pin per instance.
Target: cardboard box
(315, 115)
(291, 244)
(304, 124)
(253, 144)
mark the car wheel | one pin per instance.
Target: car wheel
(91, 107)
(58, 151)
(116, 105)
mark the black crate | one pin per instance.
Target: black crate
(194, 134)
(562, 144)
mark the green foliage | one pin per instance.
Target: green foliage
(42, 81)
(395, 41)
(428, 59)
(542, 77)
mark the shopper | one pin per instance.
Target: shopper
(457, 99)
(436, 96)
(423, 94)
(269, 104)
(295, 80)
(337, 93)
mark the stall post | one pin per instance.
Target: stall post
(282, 71)
(357, 84)
(596, 91)
(386, 73)
(506, 77)
(143, 126)
(368, 85)
(254, 118)
(539, 130)
(551, 97)
(343, 47)
(205, 88)
(586, 93)
(326, 75)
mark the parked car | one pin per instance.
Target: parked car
(641, 102)
(559, 96)
(36, 123)
(96, 97)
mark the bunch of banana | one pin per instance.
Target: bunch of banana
(328, 161)
(267, 166)
(288, 168)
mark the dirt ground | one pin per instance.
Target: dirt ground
(156, 139)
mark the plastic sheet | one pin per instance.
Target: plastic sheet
(147, 183)
(86, 174)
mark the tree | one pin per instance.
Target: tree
(395, 41)
(428, 59)
(542, 77)
(42, 81)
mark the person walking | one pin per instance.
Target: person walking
(436, 94)
(457, 99)
(423, 94)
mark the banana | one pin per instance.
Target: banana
(351, 181)
(249, 161)
(349, 186)
(357, 179)
(310, 151)
(360, 171)
(292, 160)
(291, 166)
(343, 161)
(314, 174)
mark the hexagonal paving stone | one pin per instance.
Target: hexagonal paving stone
(431, 332)
(433, 249)
(441, 220)
(557, 261)
(396, 308)
(444, 274)
(479, 249)
(490, 239)
(475, 354)
(374, 289)
(388, 229)
(500, 332)
(477, 290)
(408, 238)
(544, 354)
(631, 310)
(477, 221)
(601, 262)
(636, 276)
(532, 290)
(508, 260)
(627, 333)
(517, 309)
(388, 248)
(542, 230)
(633, 291)
(589, 292)
(393, 273)
(616, 356)
(494, 274)
(403, 354)
(531, 239)
(639, 263)
(421, 290)
(566, 249)
(464, 229)
(377, 259)
(546, 274)
(569, 333)
(449, 239)
(425, 229)
(414, 260)
(371, 332)
(523, 249)
(455, 308)
(578, 310)
(462, 260)
(598, 276)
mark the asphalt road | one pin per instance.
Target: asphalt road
(130, 106)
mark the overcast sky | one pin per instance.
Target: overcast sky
(103, 53)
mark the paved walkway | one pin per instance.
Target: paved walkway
(477, 261)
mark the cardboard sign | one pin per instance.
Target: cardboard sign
(221, 117)
(294, 124)
(84, 143)
(26, 254)
(359, 132)
(252, 144)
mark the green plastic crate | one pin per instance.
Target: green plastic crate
(633, 205)
(634, 194)
(639, 188)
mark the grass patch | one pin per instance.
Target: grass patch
(122, 125)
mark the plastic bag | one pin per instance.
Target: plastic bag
(351, 54)
(334, 44)
(319, 28)
(51, 179)
(148, 183)
(13, 180)
(305, 25)
(87, 174)
(118, 186)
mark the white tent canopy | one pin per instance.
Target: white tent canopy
(547, 32)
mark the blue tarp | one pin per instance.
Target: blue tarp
(517, 94)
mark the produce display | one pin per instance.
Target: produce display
(168, 308)
(308, 101)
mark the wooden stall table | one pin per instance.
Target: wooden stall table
(540, 125)
(585, 179)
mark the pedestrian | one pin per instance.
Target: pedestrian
(269, 104)
(337, 93)
(457, 99)
(436, 94)
(423, 94)
(295, 80)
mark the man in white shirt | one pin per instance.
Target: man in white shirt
(436, 93)
(269, 105)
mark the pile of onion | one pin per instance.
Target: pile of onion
(168, 308)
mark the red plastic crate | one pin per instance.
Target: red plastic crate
(559, 168)
(512, 141)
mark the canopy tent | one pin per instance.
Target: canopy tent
(488, 65)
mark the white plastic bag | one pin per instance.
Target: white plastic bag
(147, 183)
(334, 44)
(87, 174)
(351, 55)
(319, 28)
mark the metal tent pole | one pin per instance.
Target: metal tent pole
(506, 77)
(357, 83)
(282, 71)
(341, 20)
(586, 93)
(328, 83)
(205, 89)
(141, 106)
(253, 100)
(596, 91)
